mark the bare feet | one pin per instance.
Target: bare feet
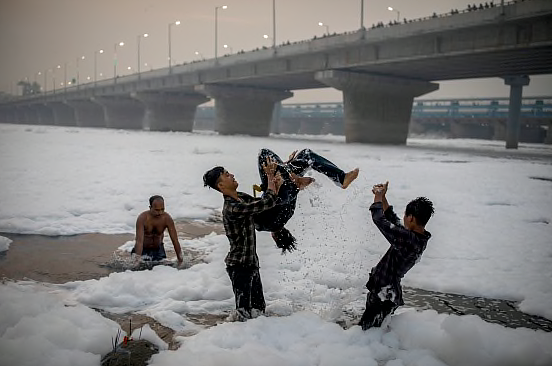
(302, 182)
(349, 178)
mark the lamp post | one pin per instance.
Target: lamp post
(54, 77)
(145, 35)
(216, 28)
(197, 53)
(325, 25)
(78, 72)
(115, 59)
(361, 14)
(95, 65)
(274, 24)
(228, 47)
(65, 77)
(390, 8)
(170, 44)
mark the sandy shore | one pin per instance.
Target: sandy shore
(60, 259)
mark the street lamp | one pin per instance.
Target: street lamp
(78, 74)
(197, 53)
(361, 14)
(115, 59)
(54, 76)
(325, 25)
(170, 43)
(216, 27)
(95, 65)
(390, 8)
(145, 35)
(45, 87)
(228, 47)
(65, 77)
(274, 24)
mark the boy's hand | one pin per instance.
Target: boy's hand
(292, 155)
(269, 167)
(380, 189)
(278, 181)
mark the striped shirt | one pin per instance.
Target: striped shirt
(406, 249)
(237, 216)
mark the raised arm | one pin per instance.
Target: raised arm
(268, 200)
(174, 237)
(139, 246)
(384, 217)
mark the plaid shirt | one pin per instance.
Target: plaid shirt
(406, 249)
(237, 217)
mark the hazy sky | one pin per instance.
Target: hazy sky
(37, 35)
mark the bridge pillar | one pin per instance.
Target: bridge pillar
(241, 110)
(44, 114)
(516, 84)
(88, 113)
(64, 115)
(276, 116)
(377, 109)
(122, 112)
(170, 111)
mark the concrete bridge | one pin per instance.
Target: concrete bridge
(380, 71)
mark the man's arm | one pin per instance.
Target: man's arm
(174, 237)
(139, 246)
(257, 205)
(383, 216)
(269, 198)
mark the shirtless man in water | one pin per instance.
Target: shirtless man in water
(150, 227)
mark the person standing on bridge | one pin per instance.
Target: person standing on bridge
(293, 180)
(238, 212)
(150, 228)
(408, 242)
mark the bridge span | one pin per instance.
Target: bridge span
(379, 71)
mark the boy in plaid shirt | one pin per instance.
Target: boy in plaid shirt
(242, 262)
(407, 245)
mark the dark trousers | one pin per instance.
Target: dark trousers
(248, 290)
(276, 218)
(304, 160)
(376, 311)
(156, 254)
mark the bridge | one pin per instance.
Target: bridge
(483, 118)
(379, 71)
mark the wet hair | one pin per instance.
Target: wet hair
(284, 240)
(421, 208)
(211, 177)
(155, 197)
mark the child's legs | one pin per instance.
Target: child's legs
(376, 311)
(307, 158)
